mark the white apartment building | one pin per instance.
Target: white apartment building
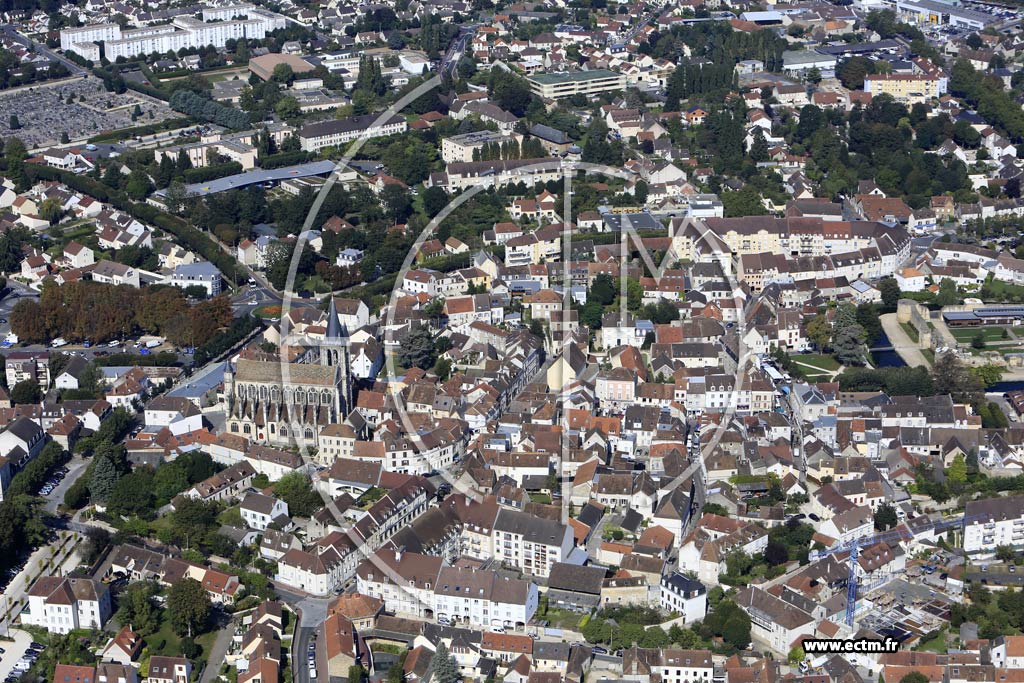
(61, 605)
(483, 598)
(461, 175)
(317, 136)
(461, 147)
(260, 511)
(993, 522)
(530, 543)
(380, 575)
(686, 596)
(217, 26)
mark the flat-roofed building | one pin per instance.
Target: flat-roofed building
(553, 86)
(316, 136)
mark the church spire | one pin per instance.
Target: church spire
(333, 324)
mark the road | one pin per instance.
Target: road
(455, 51)
(217, 651)
(10, 32)
(76, 468)
(300, 665)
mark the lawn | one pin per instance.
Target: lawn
(557, 617)
(166, 642)
(815, 377)
(817, 360)
(935, 644)
(270, 311)
(1004, 290)
(965, 335)
(911, 331)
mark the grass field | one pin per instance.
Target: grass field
(964, 335)
(1005, 290)
(911, 331)
(817, 360)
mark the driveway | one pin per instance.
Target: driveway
(217, 652)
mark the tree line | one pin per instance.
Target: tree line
(196, 106)
(101, 312)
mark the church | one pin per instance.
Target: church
(289, 404)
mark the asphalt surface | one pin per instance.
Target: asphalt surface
(300, 659)
(13, 649)
(76, 468)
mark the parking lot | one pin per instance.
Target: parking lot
(81, 108)
(20, 656)
(13, 650)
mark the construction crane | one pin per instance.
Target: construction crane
(854, 545)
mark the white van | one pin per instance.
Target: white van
(58, 342)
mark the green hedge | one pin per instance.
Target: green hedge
(148, 129)
(282, 159)
(207, 173)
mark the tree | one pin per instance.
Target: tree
(434, 200)
(796, 655)
(758, 147)
(1005, 553)
(890, 291)
(26, 392)
(978, 340)
(603, 290)
(138, 185)
(105, 474)
(848, 344)
(947, 295)
(819, 331)
(853, 71)
(443, 667)
(596, 147)
(418, 350)
(736, 631)
(283, 73)
(743, 202)
(814, 75)
(776, 553)
(135, 607)
(356, 674)
(951, 376)
(51, 210)
(14, 123)
(885, 517)
(296, 490)
(914, 677)
(443, 369)
(957, 470)
(132, 494)
(189, 607)
(287, 107)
